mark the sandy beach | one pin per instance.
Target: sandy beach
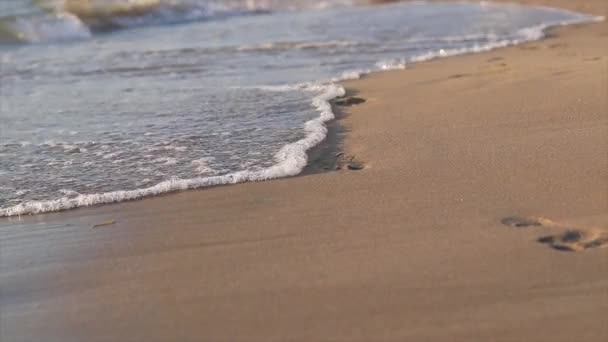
(479, 215)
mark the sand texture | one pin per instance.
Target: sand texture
(471, 204)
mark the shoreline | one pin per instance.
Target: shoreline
(323, 156)
(476, 165)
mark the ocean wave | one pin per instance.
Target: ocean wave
(43, 28)
(80, 19)
(61, 20)
(290, 161)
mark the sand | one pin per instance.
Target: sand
(479, 216)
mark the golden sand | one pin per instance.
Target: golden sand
(475, 168)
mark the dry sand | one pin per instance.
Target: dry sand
(469, 162)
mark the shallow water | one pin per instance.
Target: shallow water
(193, 101)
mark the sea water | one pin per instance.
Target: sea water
(116, 100)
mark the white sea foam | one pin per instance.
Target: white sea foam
(201, 166)
(350, 75)
(523, 35)
(68, 193)
(290, 161)
(282, 88)
(392, 64)
(278, 46)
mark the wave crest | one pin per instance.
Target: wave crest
(78, 19)
(53, 27)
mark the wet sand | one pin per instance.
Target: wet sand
(479, 215)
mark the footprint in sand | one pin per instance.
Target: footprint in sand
(558, 45)
(459, 76)
(495, 59)
(349, 101)
(349, 162)
(576, 240)
(560, 73)
(520, 222)
(528, 47)
(592, 59)
(569, 239)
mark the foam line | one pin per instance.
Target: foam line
(291, 160)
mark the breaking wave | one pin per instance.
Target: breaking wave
(79, 19)
(290, 160)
